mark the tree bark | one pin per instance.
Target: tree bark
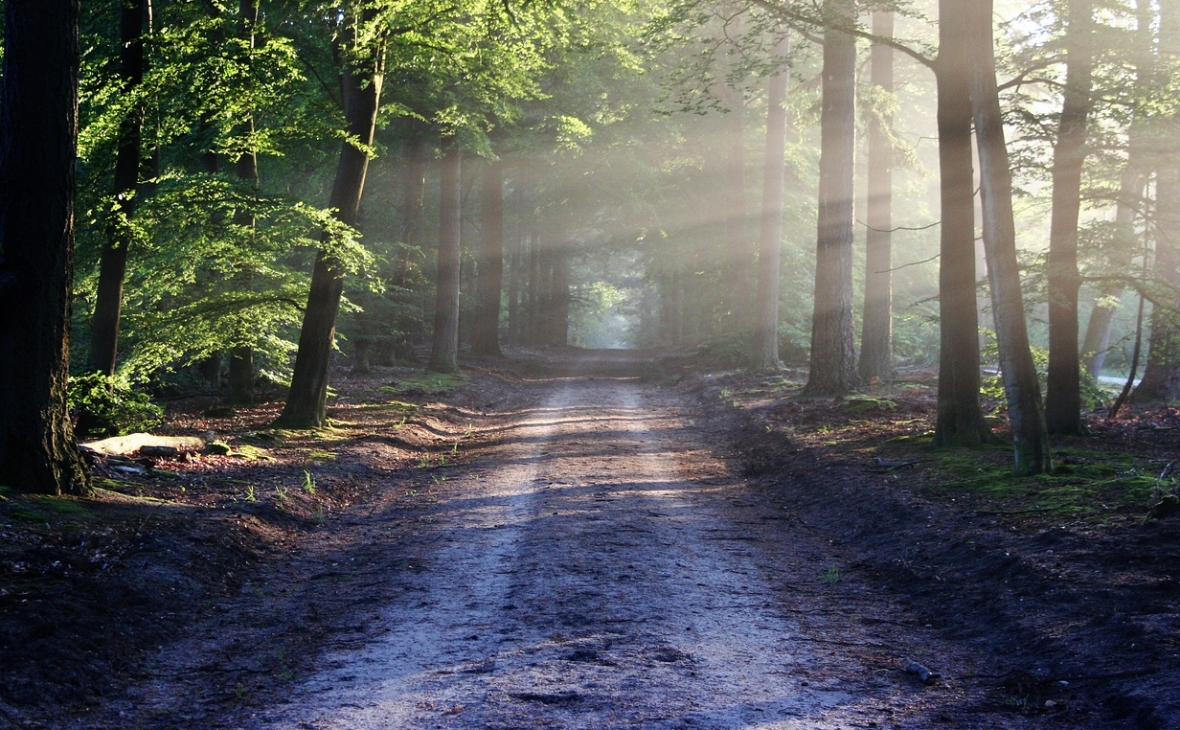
(557, 311)
(444, 354)
(770, 240)
(1064, 401)
(490, 264)
(876, 342)
(1023, 392)
(960, 417)
(833, 352)
(108, 305)
(241, 360)
(1096, 342)
(1132, 183)
(361, 80)
(1161, 375)
(38, 150)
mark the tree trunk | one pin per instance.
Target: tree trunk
(241, 361)
(515, 262)
(960, 417)
(1132, 185)
(533, 329)
(737, 258)
(557, 313)
(38, 143)
(307, 400)
(490, 265)
(876, 342)
(833, 352)
(1161, 376)
(444, 354)
(1063, 403)
(1096, 342)
(770, 240)
(1025, 412)
(108, 304)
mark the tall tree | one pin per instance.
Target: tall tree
(876, 342)
(1161, 376)
(1132, 186)
(38, 143)
(362, 51)
(770, 240)
(833, 355)
(490, 262)
(1063, 402)
(960, 416)
(444, 353)
(241, 359)
(1023, 392)
(134, 16)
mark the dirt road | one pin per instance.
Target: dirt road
(595, 565)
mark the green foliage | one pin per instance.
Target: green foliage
(1084, 484)
(219, 265)
(109, 406)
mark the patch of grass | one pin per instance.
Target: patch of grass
(308, 482)
(35, 509)
(1084, 483)
(246, 451)
(321, 455)
(426, 384)
(861, 403)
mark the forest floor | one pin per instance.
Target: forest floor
(596, 540)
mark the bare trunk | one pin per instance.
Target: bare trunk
(1161, 376)
(1132, 184)
(1025, 412)
(490, 272)
(833, 353)
(241, 361)
(770, 242)
(307, 400)
(1064, 401)
(108, 305)
(38, 143)
(960, 417)
(444, 354)
(515, 263)
(876, 342)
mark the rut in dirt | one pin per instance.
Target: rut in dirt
(580, 584)
(602, 569)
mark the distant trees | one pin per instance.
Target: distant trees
(876, 342)
(770, 240)
(239, 195)
(489, 262)
(38, 142)
(444, 353)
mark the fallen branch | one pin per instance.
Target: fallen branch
(147, 444)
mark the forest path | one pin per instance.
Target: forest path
(596, 565)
